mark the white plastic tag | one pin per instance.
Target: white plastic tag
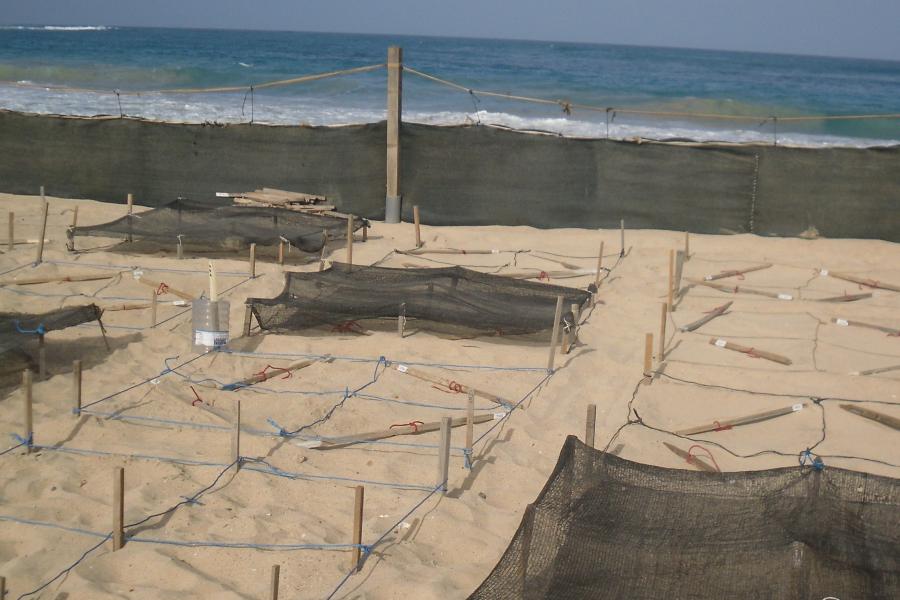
(494, 251)
(721, 343)
(824, 272)
(797, 407)
(137, 274)
(402, 368)
(842, 322)
(498, 416)
(707, 278)
(785, 297)
(179, 303)
(155, 381)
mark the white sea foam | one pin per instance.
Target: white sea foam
(58, 27)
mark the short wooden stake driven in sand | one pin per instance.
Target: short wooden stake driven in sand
(444, 453)
(2, 588)
(750, 351)
(416, 221)
(679, 271)
(40, 249)
(670, 289)
(130, 202)
(154, 300)
(847, 323)
(179, 249)
(622, 228)
(42, 358)
(599, 266)
(874, 415)
(10, 241)
(663, 318)
(401, 320)
(252, 261)
(358, 502)
(76, 387)
(29, 414)
(590, 425)
(872, 283)
(453, 386)
(716, 312)
(248, 315)
(273, 588)
(118, 530)
(736, 289)
(236, 435)
(726, 424)
(571, 334)
(736, 272)
(555, 335)
(648, 355)
(687, 246)
(350, 242)
(280, 251)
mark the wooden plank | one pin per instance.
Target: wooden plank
(716, 312)
(847, 323)
(736, 272)
(741, 290)
(692, 460)
(874, 415)
(755, 352)
(745, 420)
(453, 386)
(872, 283)
(413, 428)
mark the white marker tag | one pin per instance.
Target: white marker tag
(785, 297)
(824, 272)
(708, 278)
(154, 381)
(499, 416)
(402, 368)
(797, 407)
(179, 303)
(494, 251)
(137, 274)
(842, 322)
(721, 343)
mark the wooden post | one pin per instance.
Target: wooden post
(599, 266)
(401, 320)
(213, 283)
(236, 435)
(42, 358)
(350, 242)
(11, 231)
(357, 525)
(280, 251)
(153, 303)
(252, 261)
(130, 202)
(555, 335)
(416, 221)
(179, 250)
(74, 217)
(40, 249)
(648, 355)
(76, 387)
(70, 235)
(663, 318)
(590, 425)
(573, 334)
(394, 117)
(687, 246)
(671, 289)
(118, 533)
(29, 424)
(248, 314)
(470, 422)
(622, 225)
(276, 572)
(444, 456)
(2, 588)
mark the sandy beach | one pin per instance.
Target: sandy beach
(152, 406)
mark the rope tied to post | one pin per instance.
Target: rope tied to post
(807, 458)
(39, 330)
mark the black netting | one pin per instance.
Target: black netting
(446, 298)
(16, 328)
(605, 527)
(212, 226)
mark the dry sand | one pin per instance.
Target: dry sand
(448, 545)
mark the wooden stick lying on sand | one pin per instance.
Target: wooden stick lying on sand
(892, 422)
(846, 323)
(267, 374)
(20, 241)
(740, 290)
(755, 352)
(738, 421)
(539, 274)
(453, 386)
(716, 312)
(878, 370)
(866, 282)
(736, 272)
(165, 288)
(59, 278)
(696, 461)
(426, 250)
(846, 298)
(411, 428)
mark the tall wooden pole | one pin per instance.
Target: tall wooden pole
(29, 422)
(444, 456)
(555, 335)
(358, 503)
(76, 387)
(118, 535)
(394, 116)
(40, 249)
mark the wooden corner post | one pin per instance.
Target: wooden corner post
(76, 387)
(590, 425)
(276, 574)
(444, 456)
(118, 532)
(394, 116)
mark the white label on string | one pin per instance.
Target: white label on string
(137, 274)
(495, 251)
(708, 278)
(842, 322)
(824, 272)
(155, 381)
(797, 407)
(721, 343)
(499, 416)
(785, 297)
(179, 303)
(402, 368)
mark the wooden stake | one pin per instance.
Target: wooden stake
(350, 243)
(394, 118)
(557, 316)
(236, 435)
(599, 267)
(590, 425)
(118, 535)
(687, 246)
(248, 315)
(670, 292)
(444, 453)
(663, 318)
(40, 249)
(748, 420)
(866, 282)
(358, 502)
(2, 588)
(416, 221)
(29, 423)
(716, 312)
(401, 320)
(11, 231)
(276, 571)
(75, 217)
(213, 283)
(167, 289)
(697, 462)
(622, 252)
(754, 352)
(740, 290)
(679, 271)
(847, 323)
(45, 279)
(736, 272)
(470, 422)
(281, 251)
(154, 299)
(253, 262)
(416, 428)
(179, 249)
(76, 387)
(878, 417)
(878, 370)
(573, 333)
(648, 355)
(130, 201)
(42, 358)
(845, 298)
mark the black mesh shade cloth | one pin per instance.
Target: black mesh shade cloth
(16, 328)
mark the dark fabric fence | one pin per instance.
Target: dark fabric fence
(467, 175)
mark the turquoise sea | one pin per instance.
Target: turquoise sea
(39, 64)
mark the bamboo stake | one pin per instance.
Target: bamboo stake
(754, 352)
(878, 417)
(412, 428)
(599, 266)
(696, 461)
(444, 455)
(11, 231)
(670, 291)
(878, 370)
(470, 422)
(236, 435)
(846, 298)
(738, 289)
(590, 425)
(648, 355)
(166, 288)
(736, 272)
(40, 249)
(76, 388)
(687, 246)
(272, 374)
(716, 312)
(555, 336)
(59, 278)
(846, 323)
(358, 501)
(866, 282)
(416, 221)
(747, 420)
(29, 422)
(276, 572)
(663, 318)
(154, 299)
(253, 262)
(350, 243)
(622, 252)
(453, 386)
(118, 534)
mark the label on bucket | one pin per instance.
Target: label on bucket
(210, 339)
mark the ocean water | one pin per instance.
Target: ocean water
(76, 70)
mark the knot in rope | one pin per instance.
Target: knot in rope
(413, 424)
(814, 461)
(39, 330)
(29, 441)
(690, 458)
(162, 289)
(366, 550)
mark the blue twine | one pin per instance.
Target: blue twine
(816, 462)
(39, 330)
(29, 441)
(135, 268)
(514, 407)
(162, 373)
